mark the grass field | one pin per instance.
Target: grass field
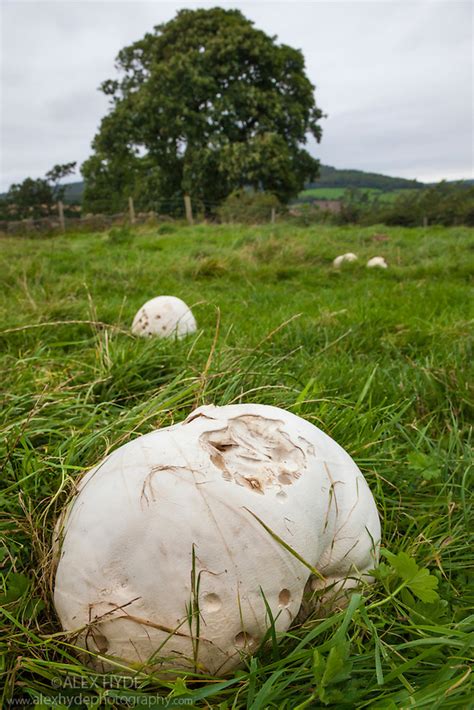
(380, 360)
(326, 193)
(336, 193)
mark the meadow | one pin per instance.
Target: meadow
(380, 360)
(337, 193)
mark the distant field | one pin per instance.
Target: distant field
(380, 360)
(335, 193)
(323, 193)
(393, 194)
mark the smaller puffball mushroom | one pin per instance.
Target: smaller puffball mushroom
(164, 316)
(339, 260)
(377, 262)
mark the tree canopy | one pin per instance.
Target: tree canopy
(204, 104)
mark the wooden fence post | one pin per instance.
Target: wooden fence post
(188, 208)
(425, 222)
(273, 216)
(61, 216)
(131, 210)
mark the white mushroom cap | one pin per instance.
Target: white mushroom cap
(164, 316)
(377, 261)
(175, 521)
(339, 260)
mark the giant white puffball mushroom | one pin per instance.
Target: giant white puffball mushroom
(164, 316)
(339, 260)
(173, 544)
(377, 262)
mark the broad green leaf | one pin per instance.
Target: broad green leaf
(404, 565)
(427, 466)
(16, 586)
(383, 571)
(423, 585)
(419, 581)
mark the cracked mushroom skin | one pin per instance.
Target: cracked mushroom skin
(165, 317)
(192, 518)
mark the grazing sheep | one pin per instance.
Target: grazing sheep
(339, 260)
(378, 262)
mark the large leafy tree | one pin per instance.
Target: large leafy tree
(204, 104)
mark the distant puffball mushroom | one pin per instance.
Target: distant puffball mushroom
(339, 260)
(174, 544)
(164, 316)
(377, 262)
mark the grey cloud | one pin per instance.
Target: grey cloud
(87, 104)
(395, 78)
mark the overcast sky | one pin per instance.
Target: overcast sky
(394, 78)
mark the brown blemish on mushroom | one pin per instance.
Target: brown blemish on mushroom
(197, 414)
(255, 484)
(256, 453)
(284, 598)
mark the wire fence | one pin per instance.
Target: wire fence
(66, 217)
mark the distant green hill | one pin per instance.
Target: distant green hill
(331, 184)
(333, 177)
(73, 193)
(329, 178)
(463, 183)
